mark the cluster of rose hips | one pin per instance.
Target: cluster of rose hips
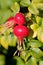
(19, 30)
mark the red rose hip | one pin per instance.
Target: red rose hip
(10, 22)
(19, 18)
(21, 32)
(10, 19)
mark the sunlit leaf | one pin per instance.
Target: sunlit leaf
(3, 42)
(12, 40)
(40, 6)
(3, 3)
(4, 15)
(8, 32)
(41, 63)
(17, 61)
(37, 1)
(36, 52)
(25, 3)
(6, 4)
(42, 22)
(33, 9)
(15, 8)
(31, 61)
(2, 28)
(2, 59)
(25, 55)
(38, 20)
(15, 0)
(34, 27)
(40, 33)
(35, 43)
(8, 40)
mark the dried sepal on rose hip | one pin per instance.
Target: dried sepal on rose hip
(9, 22)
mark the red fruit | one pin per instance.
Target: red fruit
(10, 19)
(21, 32)
(10, 22)
(19, 18)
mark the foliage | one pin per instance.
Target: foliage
(33, 52)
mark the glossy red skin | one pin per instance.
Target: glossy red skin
(19, 19)
(21, 32)
(10, 19)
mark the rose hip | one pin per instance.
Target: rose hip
(21, 32)
(10, 19)
(19, 19)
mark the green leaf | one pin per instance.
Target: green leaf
(17, 61)
(8, 32)
(8, 3)
(41, 63)
(2, 59)
(36, 52)
(4, 15)
(31, 61)
(25, 55)
(4, 42)
(33, 9)
(12, 40)
(15, 8)
(40, 34)
(15, 1)
(40, 6)
(8, 40)
(25, 3)
(37, 1)
(34, 27)
(35, 43)
(42, 22)
(5, 4)
(38, 20)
